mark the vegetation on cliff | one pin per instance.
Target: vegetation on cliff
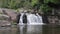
(44, 5)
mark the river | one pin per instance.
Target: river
(31, 29)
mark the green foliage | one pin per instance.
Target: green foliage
(3, 3)
(53, 1)
(45, 8)
(34, 2)
(15, 4)
(27, 4)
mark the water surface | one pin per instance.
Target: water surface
(31, 29)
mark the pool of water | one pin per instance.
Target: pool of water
(31, 29)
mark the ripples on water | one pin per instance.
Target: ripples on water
(31, 29)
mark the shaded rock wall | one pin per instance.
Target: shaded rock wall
(53, 19)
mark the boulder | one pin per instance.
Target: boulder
(11, 13)
(4, 17)
(5, 23)
(1, 11)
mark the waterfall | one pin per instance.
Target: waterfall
(31, 19)
(21, 20)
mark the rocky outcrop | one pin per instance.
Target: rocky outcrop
(7, 16)
(53, 20)
(1, 11)
(5, 20)
(11, 13)
(5, 23)
(4, 17)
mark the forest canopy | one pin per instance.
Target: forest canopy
(44, 5)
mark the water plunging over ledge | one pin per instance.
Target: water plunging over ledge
(31, 19)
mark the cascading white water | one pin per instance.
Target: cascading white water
(21, 20)
(34, 19)
(31, 19)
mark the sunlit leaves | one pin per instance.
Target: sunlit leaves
(34, 2)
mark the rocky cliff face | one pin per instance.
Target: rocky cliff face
(53, 19)
(7, 16)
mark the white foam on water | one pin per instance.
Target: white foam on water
(32, 24)
(35, 24)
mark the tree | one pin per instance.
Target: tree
(48, 5)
